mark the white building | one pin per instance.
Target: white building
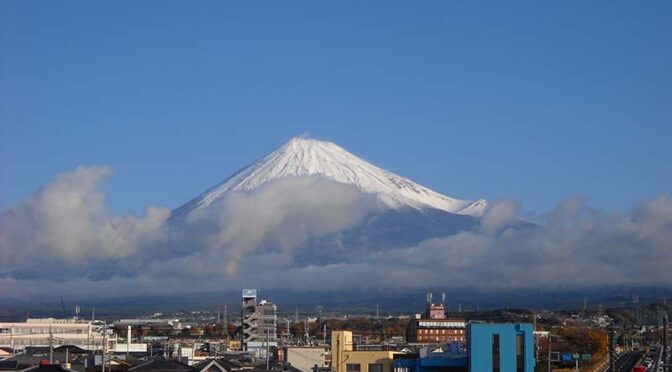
(50, 331)
(305, 358)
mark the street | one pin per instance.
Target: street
(626, 361)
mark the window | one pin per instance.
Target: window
(520, 353)
(495, 353)
(350, 367)
(378, 367)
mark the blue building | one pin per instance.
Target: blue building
(490, 348)
(445, 358)
(501, 347)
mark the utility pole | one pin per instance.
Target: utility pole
(128, 341)
(324, 334)
(612, 351)
(534, 335)
(104, 345)
(549, 351)
(51, 346)
(307, 334)
(226, 322)
(289, 333)
(665, 320)
(268, 357)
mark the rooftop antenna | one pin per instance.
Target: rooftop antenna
(219, 311)
(443, 298)
(296, 314)
(77, 311)
(93, 313)
(377, 311)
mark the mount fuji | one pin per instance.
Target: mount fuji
(308, 157)
(410, 212)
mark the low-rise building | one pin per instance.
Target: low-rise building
(346, 358)
(305, 358)
(490, 347)
(433, 327)
(50, 331)
(436, 331)
(501, 347)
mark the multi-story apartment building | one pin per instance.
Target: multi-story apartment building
(259, 323)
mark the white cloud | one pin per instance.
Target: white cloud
(67, 222)
(64, 236)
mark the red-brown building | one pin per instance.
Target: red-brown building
(434, 328)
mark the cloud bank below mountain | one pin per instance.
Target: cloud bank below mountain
(65, 238)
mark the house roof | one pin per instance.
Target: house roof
(48, 368)
(9, 365)
(162, 364)
(72, 349)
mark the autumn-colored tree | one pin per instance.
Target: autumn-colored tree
(585, 340)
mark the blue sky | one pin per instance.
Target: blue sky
(536, 101)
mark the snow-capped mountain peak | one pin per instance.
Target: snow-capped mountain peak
(305, 157)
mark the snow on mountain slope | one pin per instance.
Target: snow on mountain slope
(304, 157)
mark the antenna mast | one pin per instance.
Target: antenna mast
(63, 306)
(226, 322)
